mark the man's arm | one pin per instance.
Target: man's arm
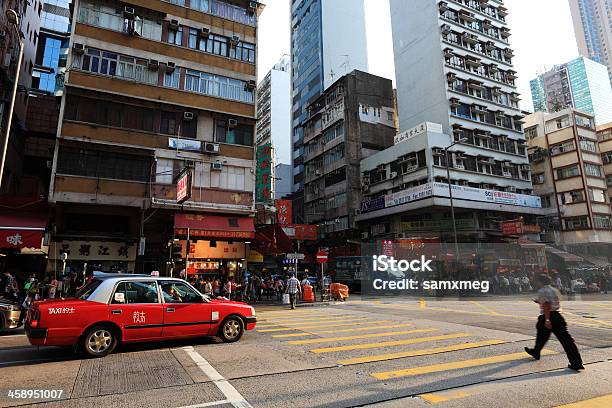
(546, 309)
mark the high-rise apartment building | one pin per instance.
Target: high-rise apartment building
(328, 40)
(604, 137)
(581, 84)
(568, 176)
(454, 67)
(593, 28)
(353, 119)
(156, 136)
(273, 116)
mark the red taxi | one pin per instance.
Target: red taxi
(113, 309)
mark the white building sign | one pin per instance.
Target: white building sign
(418, 130)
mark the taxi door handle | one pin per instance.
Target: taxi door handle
(170, 309)
(116, 311)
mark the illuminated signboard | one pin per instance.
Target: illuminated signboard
(183, 186)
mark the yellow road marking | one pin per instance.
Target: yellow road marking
(322, 325)
(354, 329)
(605, 323)
(422, 303)
(438, 398)
(292, 335)
(483, 307)
(455, 365)
(442, 309)
(599, 402)
(391, 343)
(422, 352)
(302, 322)
(359, 336)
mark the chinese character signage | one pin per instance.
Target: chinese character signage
(183, 186)
(263, 180)
(93, 250)
(418, 130)
(283, 212)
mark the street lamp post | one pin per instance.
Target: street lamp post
(13, 19)
(450, 193)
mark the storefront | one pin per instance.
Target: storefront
(22, 249)
(84, 256)
(218, 245)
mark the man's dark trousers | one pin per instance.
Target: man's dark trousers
(559, 327)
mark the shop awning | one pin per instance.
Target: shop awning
(214, 226)
(19, 231)
(272, 240)
(565, 256)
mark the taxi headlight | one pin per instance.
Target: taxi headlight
(252, 310)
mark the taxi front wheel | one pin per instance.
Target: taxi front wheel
(99, 341)
(231, 329)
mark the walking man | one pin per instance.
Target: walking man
(551, 320)
(293, 288)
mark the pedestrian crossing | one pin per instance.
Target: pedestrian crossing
(352, 338)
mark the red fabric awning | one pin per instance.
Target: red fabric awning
(272, 240)
(214, 226)
(22, 230)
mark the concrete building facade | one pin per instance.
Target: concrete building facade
(569, 178)
(582, 84)
(328, 40)
(353, 119)
(156, 136)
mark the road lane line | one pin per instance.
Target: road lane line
(303, 322)
(485, 308)
(207, 404)
(422, 303)
(599, 402)
(391, 343)
(455, 365)
(359, 336)
(438, 398)
(231, 394)
(322, 325)
(422, 352)
(353, 329)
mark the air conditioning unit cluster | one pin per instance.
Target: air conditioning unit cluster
(211, 148)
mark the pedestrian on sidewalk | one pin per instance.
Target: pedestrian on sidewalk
(551, 320)
(293, 288)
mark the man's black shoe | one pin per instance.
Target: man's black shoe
(575, 367)
(532, 353)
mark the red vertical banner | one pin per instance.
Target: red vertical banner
(387, 248)
(284, 212)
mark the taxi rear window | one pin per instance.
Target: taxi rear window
(85, 292)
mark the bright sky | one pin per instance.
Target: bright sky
(542, 36)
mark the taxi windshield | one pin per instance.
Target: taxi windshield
(88, 289)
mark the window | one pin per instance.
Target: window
(240, 134)
(200, 5)
(571, 197)
(136, 293)
(597, 196)
(219, 86)
(215, 44)
(243, 52)
(531, 133)
(604, 135)
(584, 122)
(193, 38)
(171, 80)
(169, 123)
(99, 62)
(136, 69)
(567, 172)
(564, 147)
(538, 178)
(175, 36)
(588, 145)
(592, 170)
(601, 221)
(606, 157)
(576, 222)
(164, 171)
(103, 164)
(178, 292)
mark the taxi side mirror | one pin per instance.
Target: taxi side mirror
(120, 297)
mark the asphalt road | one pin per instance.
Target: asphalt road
(365, 352)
